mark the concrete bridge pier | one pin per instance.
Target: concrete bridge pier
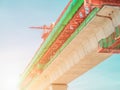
(58, 87)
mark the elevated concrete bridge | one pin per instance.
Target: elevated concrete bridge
(81, 54)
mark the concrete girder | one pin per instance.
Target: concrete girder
(80, 55)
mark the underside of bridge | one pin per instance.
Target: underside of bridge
(80, 54)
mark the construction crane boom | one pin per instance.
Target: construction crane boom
(45, 28)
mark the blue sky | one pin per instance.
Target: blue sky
(18, 44)
(105, 76)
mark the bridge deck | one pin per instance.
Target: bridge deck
(81, 53)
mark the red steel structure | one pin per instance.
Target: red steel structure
(65, 34)
(100, 3)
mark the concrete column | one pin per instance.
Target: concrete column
(58, 87)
